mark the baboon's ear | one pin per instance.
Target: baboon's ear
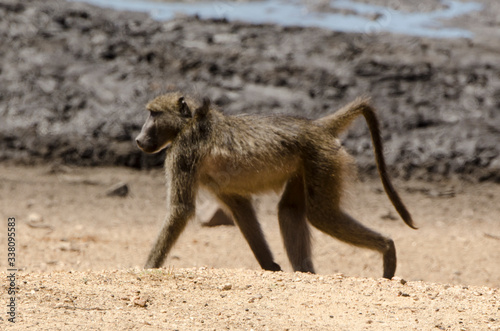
(183, 107)
(204, 108)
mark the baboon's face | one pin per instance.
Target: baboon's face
(167, 115)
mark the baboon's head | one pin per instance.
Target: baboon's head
(168, 114)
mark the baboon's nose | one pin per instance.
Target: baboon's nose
(138, 142)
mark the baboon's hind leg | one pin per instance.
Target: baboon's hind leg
(323, 211)
(294, 227)
(244, 216)
(343, 227)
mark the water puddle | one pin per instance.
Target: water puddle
(295, 13)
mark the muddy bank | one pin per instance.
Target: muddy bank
(74, 79)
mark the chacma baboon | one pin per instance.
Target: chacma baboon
(237, 156)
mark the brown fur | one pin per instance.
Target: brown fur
(237, 156)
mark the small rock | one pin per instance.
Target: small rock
(47, 85)
(225, 38)
(389, 216)
(256, 297)
(226, 287)
(141, 302)
(35, 218)
(219, 218)
(118, 190)
(398, 279)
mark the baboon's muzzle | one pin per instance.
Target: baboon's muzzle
(143, 145)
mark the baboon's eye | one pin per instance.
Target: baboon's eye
(154, 113)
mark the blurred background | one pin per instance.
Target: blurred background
(74, 78)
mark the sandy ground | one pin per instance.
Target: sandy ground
(80, 252)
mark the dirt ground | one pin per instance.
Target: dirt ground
(80, 252)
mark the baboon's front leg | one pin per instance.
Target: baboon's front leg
(181, 207)
(170, 231)
(244, 217)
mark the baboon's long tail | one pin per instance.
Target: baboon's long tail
(340, 120)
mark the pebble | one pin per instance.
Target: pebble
(35, 218)
(226, 287)
(118, 190)
(400, 280)
(139, 301)
(219, 218)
